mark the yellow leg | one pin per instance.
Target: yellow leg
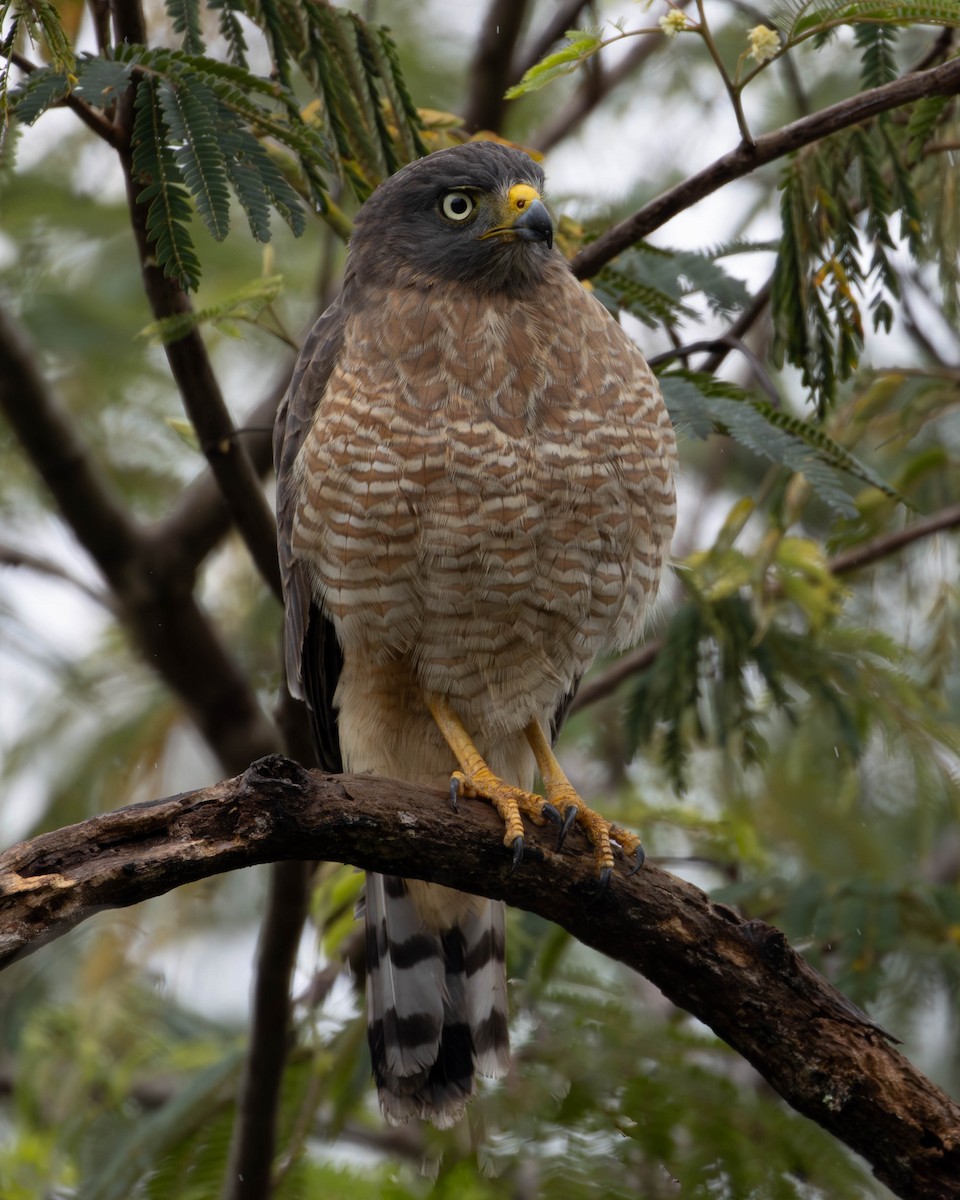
(476, 779)
(561, 803)
(561, 794)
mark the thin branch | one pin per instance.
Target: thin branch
(739, 977)
(595, 89)
(14, 556)
(92, 117)
(939, 81)
(889, 543)
(489, 73)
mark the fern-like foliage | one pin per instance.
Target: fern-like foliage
(837, 201)
(719, 673)
(653, 283)
(798, 18)
(168, 207)
(185, 18)
(701, 405)
(216, 130)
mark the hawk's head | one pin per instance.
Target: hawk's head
(472, 214)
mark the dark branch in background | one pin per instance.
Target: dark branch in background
(14, 556)
(939, 81)
(609, 679)
(740, 977)
(253, 1142)
(565, 17)
(489, 73)
(200, 519)
(158, 609)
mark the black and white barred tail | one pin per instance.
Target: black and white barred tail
(436, 1004)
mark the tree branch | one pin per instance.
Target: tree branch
(92, 117)
(557, 25)
(156, 605)
(740, 977)
(200, 390)
(490, 69)
(939, 81)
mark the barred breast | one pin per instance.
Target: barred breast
(488, 495)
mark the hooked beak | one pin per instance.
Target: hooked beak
(525, 217)
(534, 224)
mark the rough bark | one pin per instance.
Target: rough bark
(738, 976)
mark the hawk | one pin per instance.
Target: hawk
(475, 498)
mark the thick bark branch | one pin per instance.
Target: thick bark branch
(740, 977)
(940, 81)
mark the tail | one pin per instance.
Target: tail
(436, 1004)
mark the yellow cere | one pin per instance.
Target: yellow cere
(521, 196)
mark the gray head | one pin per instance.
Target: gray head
(472, 214)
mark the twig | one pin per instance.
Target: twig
(13, 556)
(938, 81)
(594, 89)
(740, 977)
(101, 125)
(882, 547)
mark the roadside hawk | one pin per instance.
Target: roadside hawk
(475, 498)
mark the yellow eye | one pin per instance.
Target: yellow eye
(457, 206)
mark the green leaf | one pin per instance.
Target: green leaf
(245, 305)
(702, 405)
(801, 18)
(185, 18)
(42, 89)
(925, 115)
(100, 81)
(189, 110)
(146, 1139)
(168, 207)
(581, 45)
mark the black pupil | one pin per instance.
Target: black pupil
(458, 206)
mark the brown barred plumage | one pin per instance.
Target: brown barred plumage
(475, 498)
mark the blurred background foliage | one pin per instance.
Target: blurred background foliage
(790, 739)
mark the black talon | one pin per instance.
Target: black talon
(640, 856)
(454, 793)
(569, 816)
(517, 854)
(603, 880)
(552, 813)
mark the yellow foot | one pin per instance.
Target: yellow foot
(512, 803)
(561, 804)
